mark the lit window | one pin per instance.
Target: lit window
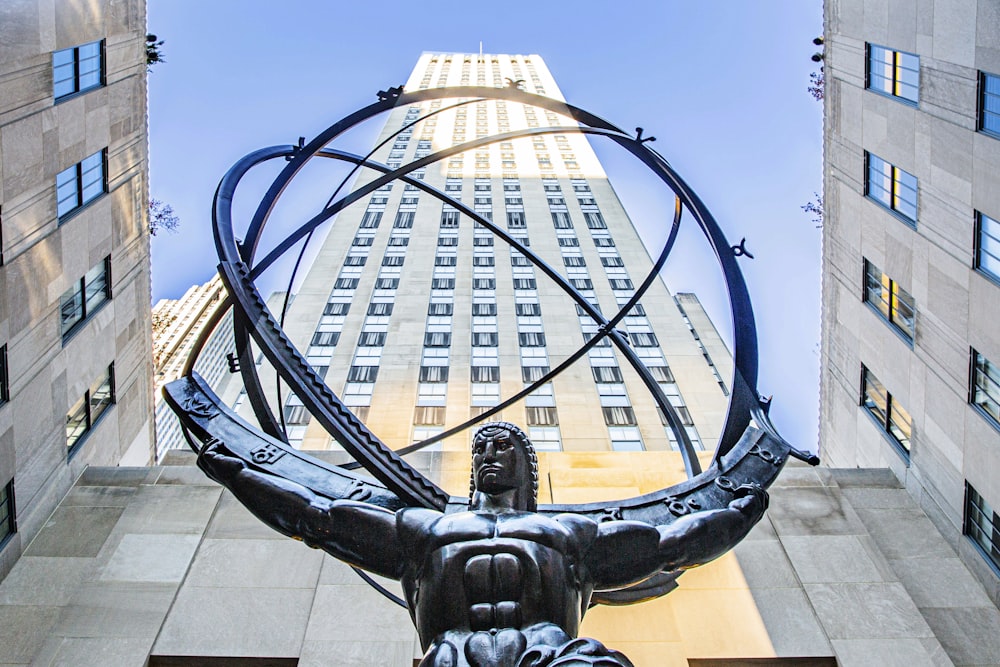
(80, 184)
(892, 187)
(989, 103)
(894, 73)
(988, 246)
(982, 525)
(8, 525)
(894, 303)
(87, 411)
(891, 417)
(77, 69)
(985, 391)
(83, 299)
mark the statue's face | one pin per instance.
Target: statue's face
(496, 460)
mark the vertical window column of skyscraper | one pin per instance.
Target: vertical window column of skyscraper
(485, 372)
(535, 79)
(701, 346)
(641, 335)
(432, 388)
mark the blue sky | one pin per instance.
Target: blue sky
(720, 83)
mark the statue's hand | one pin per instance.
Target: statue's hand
(218, 463)
(751, 500)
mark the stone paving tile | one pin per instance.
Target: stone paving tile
(75, 532)
(971, 636)
(867, 611)
(42, 580)
(150, 558)
(23, 630)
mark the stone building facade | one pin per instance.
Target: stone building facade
(75, 362)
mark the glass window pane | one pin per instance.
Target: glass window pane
(71, 308)
(76, 423)
(100, 397)
(97, 288)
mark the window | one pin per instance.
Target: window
(988, 246)
(661, 373)
(485, 374)
(437, 339)
(445, 260)
(989, 104)
(524, 283)
(380, 308)
(483, 260)
(985, 391)
(371, 339)
(429, 415)
(568, 242)
(891, 187)
(482, 241)
(604, 242)
(404, 220)
(447, 241)
(362, 374)
(399, 241)
(612, 260)
(594, 220)
(619, 416)
(488, 339)
(484, 283)
(560, 219)
(325, 338)
(574, 260)
(893, 73)
(891, 301)
(8, 525)
(484, 309)
(440, 308)
(982, 525)
(393, 260)
(78, 69)
(386, 283)
(443, 283)
(541, 416)
(527, 309)
(531, 339)
(891, 417)
(355, 260)
(83, 299)
(84, 415)
(371, 219)
(433, 373)
(620, 283)
(81, 183)
(606, 374)
(362, 241)
(345, 283)
(336, 308)
(515, 220)
(449, 219)
(4, 379)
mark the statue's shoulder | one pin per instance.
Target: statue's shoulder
(583, 528)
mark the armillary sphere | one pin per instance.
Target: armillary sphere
(745, 454)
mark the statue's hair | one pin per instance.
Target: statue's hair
(522, 441)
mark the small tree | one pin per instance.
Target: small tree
(161, 217)
(153, 53)
(815, 207)
(816, 85)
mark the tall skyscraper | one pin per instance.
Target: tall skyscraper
(420, 319)
(911, 259)
(75, 362)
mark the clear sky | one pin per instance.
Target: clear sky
(720, 83)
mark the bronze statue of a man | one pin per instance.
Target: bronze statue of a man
(499, 585)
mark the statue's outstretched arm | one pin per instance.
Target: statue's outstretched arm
(360, 534)
(628, 551)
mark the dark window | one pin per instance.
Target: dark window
(386, 283)
(893, 73)
(532, 374)
(82, 300)
(890, 300)
(362, 374)
(399, 241)
(296, 415)
(604, 242)
(325, 338)
(583, 313)
(531, 339)
(380, 308)
(82, 183)
(484, 339)
(449, 219)
(355, 260)
(594, 220)
(404, 220)
(581, 283)
(989, 103)
(484, 283)
(891, 417)
(437, 339)
(77, 69)
(620, 283)
(988, 246)
(371, 339)
(433, 373)
(483, 260)
(985, 390)
(561, 220)
(428, 415)
(569, 242)
(519, 260)
(607, 374)
(482, 241)
(891, 187)
(447, 241)
(982, 525)
(484, 309)
(661, 373)
(336, 308)
(4, 377)
(524, 283)
(515, 220)
(445, 260)
(541, 416)
(371, 219)
(643, 339)
(8, 523)
(611, 261)
(345, 283)
(619, 416)
(87, 411)
(574, 260)
(590, 335)
(393, 260)
(443, 283)
(439, 308)
(362, 241)
(485, 374)
(637, 311)
(528, 309)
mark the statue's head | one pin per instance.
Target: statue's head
(503, 459)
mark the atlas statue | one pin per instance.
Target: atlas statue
(494, 579)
